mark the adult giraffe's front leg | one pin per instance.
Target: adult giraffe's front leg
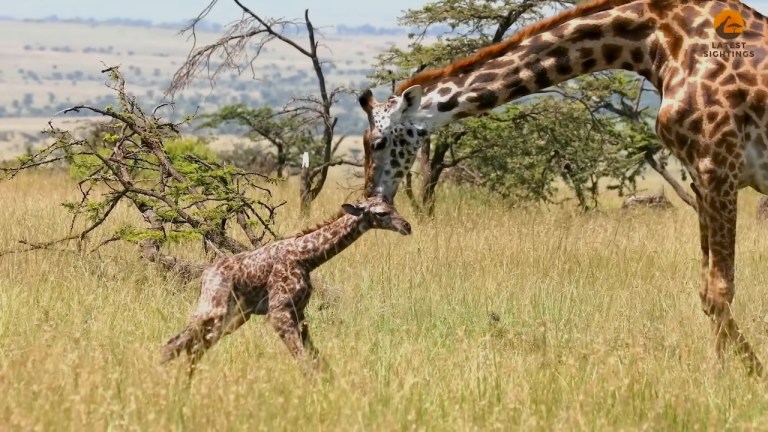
(704, 242)
(717, 220)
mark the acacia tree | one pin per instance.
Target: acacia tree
(238, 48)
(262, 124)
(605, 105)
(181, 195)
(285, 134)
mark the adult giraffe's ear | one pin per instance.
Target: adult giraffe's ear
(410, 100)
(354, 210)
(367, 101)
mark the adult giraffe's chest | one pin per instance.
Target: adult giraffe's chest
(709, 133)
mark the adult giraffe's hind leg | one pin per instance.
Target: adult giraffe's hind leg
(717, 220)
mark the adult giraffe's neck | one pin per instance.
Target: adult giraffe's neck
(619, 38)
(319, 246)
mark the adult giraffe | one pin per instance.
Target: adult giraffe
(706, 57)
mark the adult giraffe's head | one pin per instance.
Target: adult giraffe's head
(596, 35)
(393, 137)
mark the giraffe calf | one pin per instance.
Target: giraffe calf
(274, 281)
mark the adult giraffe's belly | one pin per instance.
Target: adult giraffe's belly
(754, 169)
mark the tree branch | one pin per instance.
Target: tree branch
(677, 187)
(126, 159)
(268, 28)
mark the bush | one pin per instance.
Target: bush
(179, 151)
(251, 159)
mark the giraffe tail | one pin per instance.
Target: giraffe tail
(175, 345)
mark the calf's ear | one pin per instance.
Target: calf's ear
(352, 209)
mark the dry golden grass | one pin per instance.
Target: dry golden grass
(599, 328)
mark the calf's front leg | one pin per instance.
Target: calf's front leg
(294, 332)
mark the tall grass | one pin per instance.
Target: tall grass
(484, 319)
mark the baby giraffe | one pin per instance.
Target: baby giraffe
(274, 281)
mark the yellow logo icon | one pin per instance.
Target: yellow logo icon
(729, 24)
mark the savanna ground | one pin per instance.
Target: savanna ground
(599, 327)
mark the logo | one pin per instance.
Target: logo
(729, 24)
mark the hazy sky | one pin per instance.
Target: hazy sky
(322, 12)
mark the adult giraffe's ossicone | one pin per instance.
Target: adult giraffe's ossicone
(707, 58)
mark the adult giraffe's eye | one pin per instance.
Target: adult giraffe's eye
(380, 143)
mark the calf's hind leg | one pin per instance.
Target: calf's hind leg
(212, 331)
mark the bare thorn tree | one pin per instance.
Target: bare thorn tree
(179, 197)
(238, 48)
